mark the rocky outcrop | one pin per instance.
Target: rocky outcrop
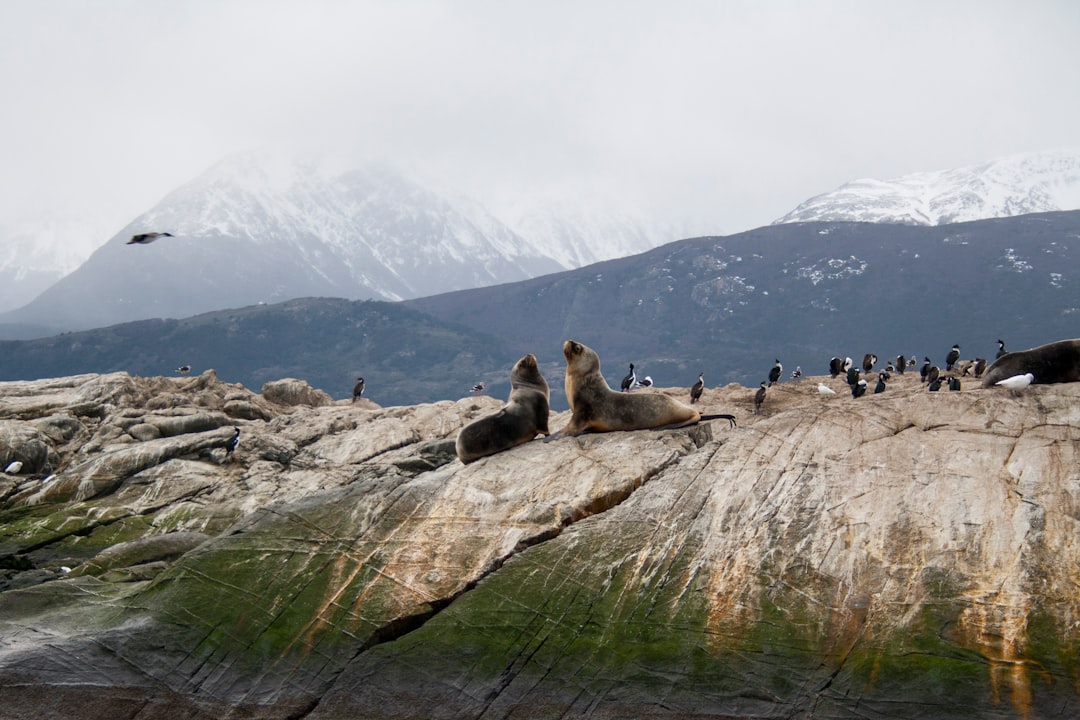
(909, 554)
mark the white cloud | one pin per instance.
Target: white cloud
(737, 111)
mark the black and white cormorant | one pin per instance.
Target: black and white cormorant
(358, 389)
(1001, 349)
(184, 369)
(868, 361)
(952, 357)
(880, 387)
(759, 397)
(925, 369)
(774, 374)
(858, 389)
(629, 380)
(234, 441)
(697, 389)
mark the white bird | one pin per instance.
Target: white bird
(1016, 382)
(824, 389)
(14, 468)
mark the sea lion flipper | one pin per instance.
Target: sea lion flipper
(729, 418)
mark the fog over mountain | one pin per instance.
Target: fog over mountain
(1015, 185)
(261, 228)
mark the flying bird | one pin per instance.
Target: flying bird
(1016, 382)
(147, 238)
(699, 387)
(629, 380)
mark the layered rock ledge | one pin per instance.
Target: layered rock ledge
(907, 555)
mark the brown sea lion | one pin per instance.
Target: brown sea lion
(1056, 362)
(524, 415)
(595, 407)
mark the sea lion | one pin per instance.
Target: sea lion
(1056, 362)
(524, 415)
(595, 407)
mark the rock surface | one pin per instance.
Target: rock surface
(909, 554)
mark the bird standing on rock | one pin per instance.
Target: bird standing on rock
(759, 397)
(629, 380)
(1001, 349)
(952, 357)
(697, 389)
(233, 443)
(358, 389)
(774, 374)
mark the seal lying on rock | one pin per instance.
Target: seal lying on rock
(1056, 362)
(524, 415)
(595, 407)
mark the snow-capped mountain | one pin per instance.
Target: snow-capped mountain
(258, 228)
(1014, 185)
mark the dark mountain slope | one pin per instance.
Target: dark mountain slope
(406, 357)
(802, 293)
(725, 306)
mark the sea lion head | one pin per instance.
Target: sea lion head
(581, 358)
(526, 373)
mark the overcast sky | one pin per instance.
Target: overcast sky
(735, 111)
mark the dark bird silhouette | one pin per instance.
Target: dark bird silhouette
(234, 441)
(901, 364)
(925, 369)
(358, 389)
(933, 374)
(184, 369)
(629, 380)
(853, 375)
(1001, 349)
(836, 366)
(697, 389)
(774, 374)
(478, 388)
(147, 238)
(954, 383)
(868, 362)
(759, 397)
(858, 389)
(980, 367)
(952, 357)
(880, 387)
